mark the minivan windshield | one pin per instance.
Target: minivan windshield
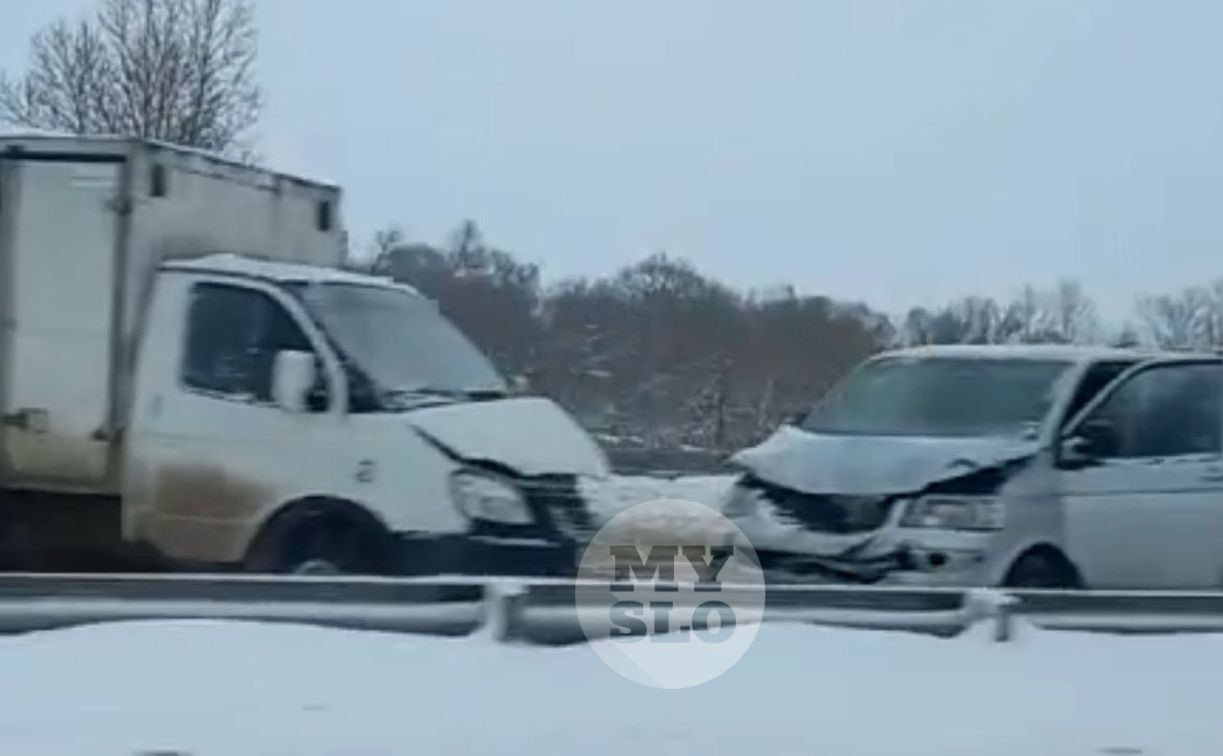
(940, 396)
(399, 340)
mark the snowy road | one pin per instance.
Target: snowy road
(212, 689)
(233, 689)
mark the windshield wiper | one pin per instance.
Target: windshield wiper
(417, 395)
(438, 394)
(485, 394)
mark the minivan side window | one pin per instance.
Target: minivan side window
(1164, 411)
(233, 335)
(1097, 376)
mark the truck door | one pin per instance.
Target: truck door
(55, 333)
(209, 452)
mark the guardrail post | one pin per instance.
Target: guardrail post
(504, 607)
(986, 604)
(1004, 619)
(509, 616)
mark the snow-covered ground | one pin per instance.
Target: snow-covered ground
(209, 688)
(233, 689)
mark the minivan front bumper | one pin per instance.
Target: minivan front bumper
(789, 551)
(906, 564)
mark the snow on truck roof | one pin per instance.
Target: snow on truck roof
(278, 272)
(1063, 352)
(117, 143)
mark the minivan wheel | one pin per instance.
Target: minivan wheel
(1041, 568)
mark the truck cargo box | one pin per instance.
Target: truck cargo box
(84, 224)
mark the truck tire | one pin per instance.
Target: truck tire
(1042, 568)
(320, 539)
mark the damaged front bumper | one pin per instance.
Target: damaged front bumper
(794, 551)
(549, 546)
(904, 565)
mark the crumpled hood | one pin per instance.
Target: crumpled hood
(872, 465)
(530, 435)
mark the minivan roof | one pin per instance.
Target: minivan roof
(1064, 352)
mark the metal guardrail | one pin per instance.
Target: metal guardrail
(546, 611)
(43, 602)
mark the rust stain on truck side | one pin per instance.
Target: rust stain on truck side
(201, 513)
(206, 492)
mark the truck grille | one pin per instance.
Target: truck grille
(825, 513)
(557, 503)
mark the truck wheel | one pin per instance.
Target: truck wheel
(322, 544)
(1042, 568)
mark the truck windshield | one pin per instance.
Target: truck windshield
(900, 396)
(399, 341)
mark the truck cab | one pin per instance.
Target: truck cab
(185, 366)
(304, 419)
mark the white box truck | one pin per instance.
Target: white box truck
(186, 373)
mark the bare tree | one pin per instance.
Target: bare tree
(181, 71)
(1127, 337)
(1073, 313)
(1063, 314)
(1023, 320)
(970, 320)
(1189, 319)
(917, 329)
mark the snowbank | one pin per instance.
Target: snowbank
(233, 689)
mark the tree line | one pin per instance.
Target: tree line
(660, 354)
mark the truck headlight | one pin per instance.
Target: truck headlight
(954, 513)
(484, 496)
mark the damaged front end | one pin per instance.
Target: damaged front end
(518, 522)
(820, 537)
(835, 519)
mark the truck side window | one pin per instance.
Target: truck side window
(1094, 380)
(233, 335)
(1165, 411)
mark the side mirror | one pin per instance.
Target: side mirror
(293, 378)
(1092, 440)
(1075, 452)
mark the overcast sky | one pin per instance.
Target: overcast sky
(893, 152)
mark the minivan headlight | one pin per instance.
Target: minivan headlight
(954, 513)
(484, 496)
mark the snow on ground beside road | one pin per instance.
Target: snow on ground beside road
(614, 494)
(234, 689)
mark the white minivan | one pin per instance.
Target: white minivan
(1038, 466)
